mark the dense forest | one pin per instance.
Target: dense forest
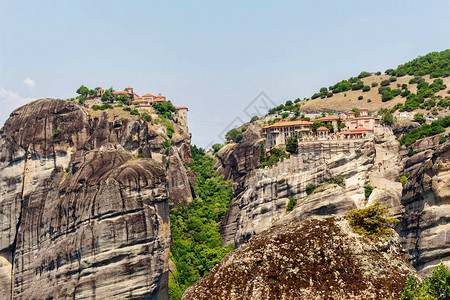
(196, 241)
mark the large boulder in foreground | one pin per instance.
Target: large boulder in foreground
(314, 258)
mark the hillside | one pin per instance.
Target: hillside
(372, 100)
(420, 86)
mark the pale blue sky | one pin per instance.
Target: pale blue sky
(214, 57)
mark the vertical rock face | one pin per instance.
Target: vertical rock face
(80, 215)
(425, 227)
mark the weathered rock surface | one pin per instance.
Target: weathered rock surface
(237, 160)
(425, 226)
(313, 258)
(81, 216)
(267, 191)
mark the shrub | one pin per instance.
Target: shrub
(436, 286)
(360, 97)
(134, 112)
(291, 204)
(253, 119)
(140, 155)
(170, 130)
(385, 82)
(164, 109)
(126, 109)
(403, 180)
(339, 180)
(364, 74)
(386, 96)
(366, 88)
(146, 117)
(369, 100)
(372, 220)
(405, 93)
(425, 130)
(56, 133)
(410, 152)
(374, 84)
(393, 79)
(310, 188)
(442, 140)
(419, 118)
(276, 155)
(404, 86)
(378, 73)
(367, 191)
(357, 86)
(216, 147)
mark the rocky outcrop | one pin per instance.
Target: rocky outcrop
(359, 162)
(84, 204)
(425, 226)
(237, 160)
(314, 258)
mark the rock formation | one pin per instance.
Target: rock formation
(425, 226)
(267, 191)
(84, 203)
(315, 258)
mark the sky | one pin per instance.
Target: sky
(216, 57)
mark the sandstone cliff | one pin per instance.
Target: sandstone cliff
(425, 226)
(315, 258)
(267, 191)
(84, 203)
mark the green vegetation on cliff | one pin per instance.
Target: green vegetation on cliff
(434, 287)
(196, 241)
(425, 130)
(371, 220)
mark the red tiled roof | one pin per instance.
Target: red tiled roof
(160, 96)
(290, 123)
(323, 128)
(360, 129)
(148, 95)
(129, 87)
(120, 92)
(328, 118)
(180, 107)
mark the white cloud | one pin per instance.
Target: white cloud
(10, 100)
(29, 83)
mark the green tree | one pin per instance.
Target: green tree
(216, 147)
(315, 125)
(434, 287)
(388, 119)
(164, 109)
(292, 144)
(83, 91)
(419, 118)
(262, 153)
(356, 111)
(234, 135)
